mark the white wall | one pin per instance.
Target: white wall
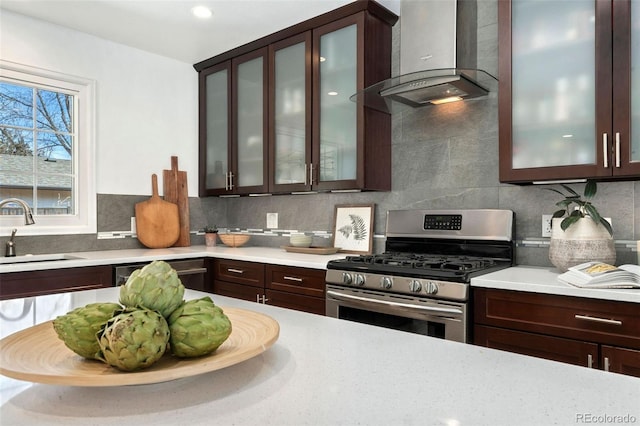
(146, 105)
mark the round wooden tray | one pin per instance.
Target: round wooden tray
(37, 355)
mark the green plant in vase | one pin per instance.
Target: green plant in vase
(579, 233)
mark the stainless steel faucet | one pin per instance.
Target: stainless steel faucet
(28, 215)
(10, 249)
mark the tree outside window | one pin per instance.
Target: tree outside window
(36, 148)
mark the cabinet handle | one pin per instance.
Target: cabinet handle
(306, 175)
(237, 271)
(590, 361)
(296, 279)
(230, 181)
(618, 150)
(311, 174)
(606, 363)
(605, 154)
(261, 299)
(596, 319)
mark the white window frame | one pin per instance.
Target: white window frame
(84, 219)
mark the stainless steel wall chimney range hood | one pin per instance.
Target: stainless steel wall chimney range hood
(438, 58)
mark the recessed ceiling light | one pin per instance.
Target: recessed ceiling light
(202, 12)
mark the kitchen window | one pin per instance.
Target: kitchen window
(47, 150)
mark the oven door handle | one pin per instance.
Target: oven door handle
(346, 297)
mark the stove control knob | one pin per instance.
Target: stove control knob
(359, 280)
(431, 287)
(346, 278)
(386, 283)
(415, 286)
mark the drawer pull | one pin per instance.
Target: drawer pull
(606, 364)
(590, 361)
(596, 319)
(296, 279)
(237, 271)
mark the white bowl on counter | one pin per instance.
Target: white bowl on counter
(300, 240)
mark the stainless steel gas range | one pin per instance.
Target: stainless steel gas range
(421, 282)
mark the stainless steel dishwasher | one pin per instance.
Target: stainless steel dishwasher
(192, 272)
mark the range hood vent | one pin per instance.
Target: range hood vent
(438, 57)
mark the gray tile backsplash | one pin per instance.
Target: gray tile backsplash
(443, 157)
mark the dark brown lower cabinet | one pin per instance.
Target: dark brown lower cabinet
(296, 288)
(50, 281)
(621, 360)
(301, 289)
(593, 333)
(547, 347)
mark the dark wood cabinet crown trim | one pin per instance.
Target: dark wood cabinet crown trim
(357, 6)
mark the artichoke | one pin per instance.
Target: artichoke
(156, 286)
(198, 327)
(78, 328)
(133, 339)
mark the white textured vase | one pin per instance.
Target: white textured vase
(584, 241)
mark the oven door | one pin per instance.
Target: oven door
(436, 318)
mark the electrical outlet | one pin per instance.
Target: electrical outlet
(546, 225)
(272, 220)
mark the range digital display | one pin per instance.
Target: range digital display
(446, 222)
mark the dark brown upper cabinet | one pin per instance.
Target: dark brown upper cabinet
(566, 90)
(293, 128)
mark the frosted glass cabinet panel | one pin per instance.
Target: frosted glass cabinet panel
(217, 128)
(291, 155)
(569, 91)
(338, 120)
(635, 81)
(553, 78)
(250, 123)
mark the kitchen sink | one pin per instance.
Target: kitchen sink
(30, 258)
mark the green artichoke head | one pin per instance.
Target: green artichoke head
(198, 327)
(78, 328)
(156, 286)
(134, 339)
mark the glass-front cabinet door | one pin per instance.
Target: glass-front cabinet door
(337, 154)
(250, 123)
(215, 154)
(626, 87)
(564, 103)
(290, 114)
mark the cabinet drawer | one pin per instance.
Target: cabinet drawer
(547, 347)
(314, 305)
(602, 321)
(235, 271)
(34, 283)
(309, 282)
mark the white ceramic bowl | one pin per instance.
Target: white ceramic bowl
(300, 240)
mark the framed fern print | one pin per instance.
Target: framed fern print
(353, 228)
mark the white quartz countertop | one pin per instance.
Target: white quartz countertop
(545, 280)
(276, 256)
(325, 371)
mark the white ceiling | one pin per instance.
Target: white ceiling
(168, 28)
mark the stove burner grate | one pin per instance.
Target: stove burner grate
(426, 262)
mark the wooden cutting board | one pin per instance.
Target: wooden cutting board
(157, 221)
(175, 191)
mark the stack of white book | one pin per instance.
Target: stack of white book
(602, 275)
